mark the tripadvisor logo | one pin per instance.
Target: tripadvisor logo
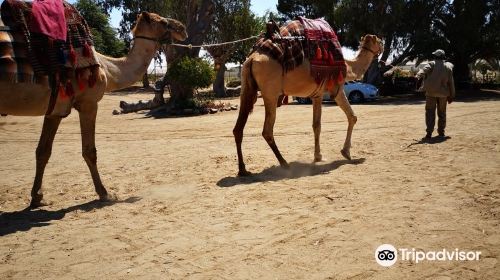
(386, 255)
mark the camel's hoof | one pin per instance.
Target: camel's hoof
(285, 165)
(346, 154)
(244, 173)
(38, 203)
(109, 197)
(318, 158)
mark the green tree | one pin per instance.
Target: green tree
(383, 18)
(192, 73)
(468, 30)
(105, 37)
(233, 20)
(207, 21)
(246, 26)
(197, 15)
(291, 9)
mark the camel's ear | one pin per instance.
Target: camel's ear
(362, 39)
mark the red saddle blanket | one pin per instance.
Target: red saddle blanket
(311, 39)
(29, 57)
(48, 18)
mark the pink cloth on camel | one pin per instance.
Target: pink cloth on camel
(48, 18)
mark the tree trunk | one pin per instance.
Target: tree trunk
(387, 47)
(461, 70)
(145, 80)
(373, 74)
(199, 19)
(182, 95)
(220, 56)
(219, 86)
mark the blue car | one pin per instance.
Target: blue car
(356, 92)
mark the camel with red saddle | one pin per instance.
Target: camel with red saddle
(32, 99)
(262, 72)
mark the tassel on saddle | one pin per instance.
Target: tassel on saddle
(40, 57)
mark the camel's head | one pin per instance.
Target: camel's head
(160, 29)
(372, 44)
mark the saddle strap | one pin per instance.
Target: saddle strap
(54, 88)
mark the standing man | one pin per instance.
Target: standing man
(439, 89)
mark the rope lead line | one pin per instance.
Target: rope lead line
(214, 45)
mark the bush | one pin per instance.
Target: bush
(191, 72)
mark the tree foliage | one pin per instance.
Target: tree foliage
(207, 21)
(197, 15)
(233, 20)
(247, 24)
(291, 9)
(105, 37)
(194, 73)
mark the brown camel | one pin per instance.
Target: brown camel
(261, 72)
(23, 99)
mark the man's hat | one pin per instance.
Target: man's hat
(439, 53)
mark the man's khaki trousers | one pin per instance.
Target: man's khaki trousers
(431, 104)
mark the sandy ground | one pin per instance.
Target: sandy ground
(183, 213)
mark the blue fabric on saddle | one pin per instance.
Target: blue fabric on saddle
(30, 57)
(311, 39)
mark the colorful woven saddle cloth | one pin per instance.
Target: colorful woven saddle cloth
(27, 55)
(308, 39)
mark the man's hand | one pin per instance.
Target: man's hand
(450, 99)
(418, 84)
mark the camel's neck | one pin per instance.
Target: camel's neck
(356, 68)
(123, 72)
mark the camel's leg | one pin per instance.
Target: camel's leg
(270, 104)
(238, 137)
(88, 114)
(317, 106)
(43, 152)
(343, 103)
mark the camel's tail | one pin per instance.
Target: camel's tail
(248, 88)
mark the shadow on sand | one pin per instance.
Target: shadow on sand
(433, 140)
(296, 170)
(24, 220)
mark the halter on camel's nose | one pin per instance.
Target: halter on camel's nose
(182, 37)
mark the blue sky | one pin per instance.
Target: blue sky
(261, 6)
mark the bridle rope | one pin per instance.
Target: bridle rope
(370, 50)
(159, 41)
